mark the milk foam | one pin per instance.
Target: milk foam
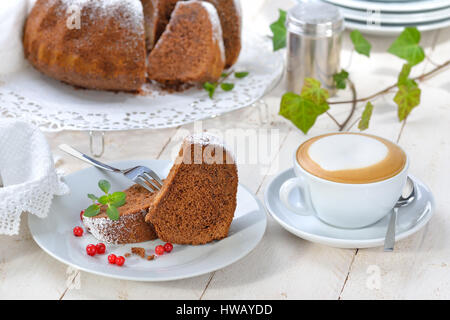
(347, 151)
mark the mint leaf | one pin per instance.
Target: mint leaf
(104, 186)
(118, 199)
(278, 29)
(365, 118)
(112, 212)
(407, 98)
(227, 86)
(92, 197)
(92, 211)
(210, 88)
(103, 199)
(301, 111)
(406, 46)
(362, 46)
(240, 75)
(340, 79)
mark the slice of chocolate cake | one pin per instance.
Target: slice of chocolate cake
(231, 21)
(191, 48)
(197, 201)
(131, 226)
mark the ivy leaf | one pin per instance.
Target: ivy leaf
(340, 79)
(112, 212)
(92, 211)
(278, 29)
(92, 197)
(406, 46)
(240, 75)
(210, 88)
(362, 46)
(117, 199)
(227, 86)
(407, 98)
(404, 74)
(313, 91)
(365, 118)
(104, 186)
(301, 111)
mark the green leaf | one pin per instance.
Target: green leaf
(210, 88)
(118, 199)
(301, 111)
(313, 91)
(112, 212)
(406, 46)
(340, 79)
(278, 29)
(404, 74)
(104, 186)
(240, 75)
(224, 75)
(407, 98)
(92, 197)
(227, 86)
(103, 199)
(365, 118)
(362, 46)
(92, 211)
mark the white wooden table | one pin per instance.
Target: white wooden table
(282, 266)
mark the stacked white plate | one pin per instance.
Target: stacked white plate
(392, 16)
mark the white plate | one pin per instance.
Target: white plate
(397, 18)
(410, 219)
(400, 7)
(55, 106)
(54, 233)
(390, 29)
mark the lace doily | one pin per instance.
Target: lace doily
(54, 106)
(28, 174)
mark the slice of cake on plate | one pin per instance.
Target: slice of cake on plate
(131, 226)
(191, 49)
(197, 201)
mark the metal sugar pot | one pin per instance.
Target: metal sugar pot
(314, 40)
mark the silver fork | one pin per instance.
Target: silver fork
(141, 175)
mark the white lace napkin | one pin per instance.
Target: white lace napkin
(29, 177)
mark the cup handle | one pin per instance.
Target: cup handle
(306, 209)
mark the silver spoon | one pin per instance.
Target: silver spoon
(408, 196)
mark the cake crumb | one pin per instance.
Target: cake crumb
(126, 255)
(151, 257)
(139, 251)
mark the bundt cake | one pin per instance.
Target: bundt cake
(105, 44)
(95, 44)
(231, 20)
(131, 226)
(197, 201)
(191, 48)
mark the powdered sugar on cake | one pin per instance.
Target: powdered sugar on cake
(217, 27)
(208, 139)
(131, 11)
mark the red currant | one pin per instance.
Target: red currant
(91, 249)
(81, 215)
(168, 247)
(78, 231)
(159, 250)
(112, 259)
(120, 261)
(101, 248)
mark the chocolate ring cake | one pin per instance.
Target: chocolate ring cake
(118, 45)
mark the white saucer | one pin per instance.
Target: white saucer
(410, 219)
(54, 233)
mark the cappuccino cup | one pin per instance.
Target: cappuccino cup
(348, 180)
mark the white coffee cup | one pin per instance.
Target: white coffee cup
(344, 205)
